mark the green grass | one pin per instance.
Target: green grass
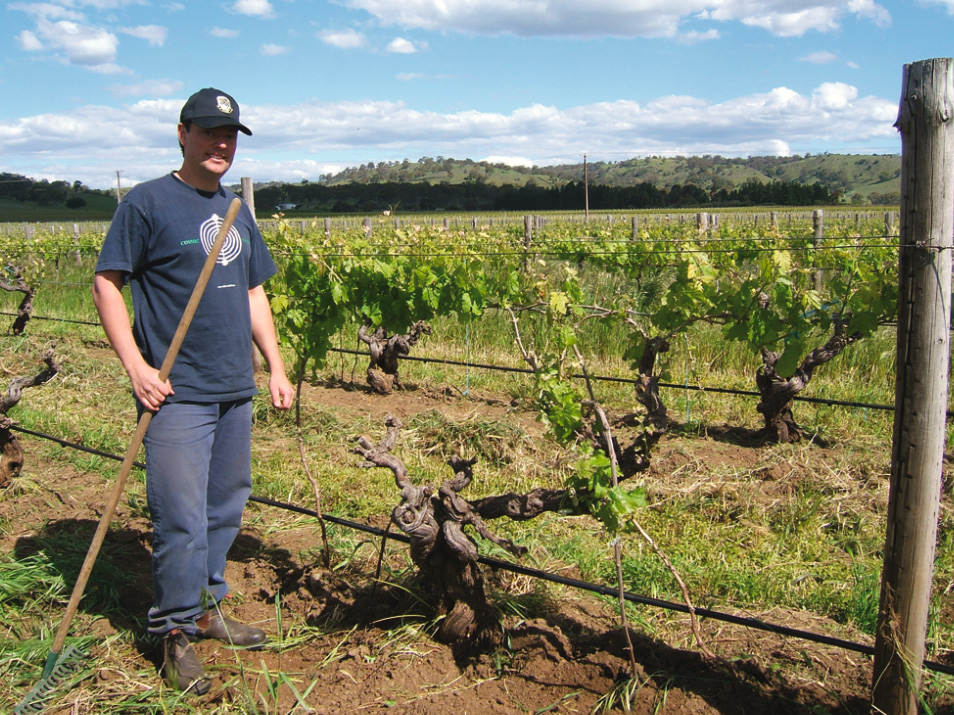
(797, 527)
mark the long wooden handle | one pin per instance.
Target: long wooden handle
(141, 428)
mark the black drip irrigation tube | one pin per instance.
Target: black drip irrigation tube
(55, 320)
(595, 378)
(631, 381)
(493, 563)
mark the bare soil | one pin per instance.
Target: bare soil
(355, 660)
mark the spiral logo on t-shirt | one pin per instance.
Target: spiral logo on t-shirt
(231, 248)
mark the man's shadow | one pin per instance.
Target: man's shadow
(119, 588)
(120, 582)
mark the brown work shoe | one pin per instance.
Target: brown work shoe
(181, 667)
(215, 625)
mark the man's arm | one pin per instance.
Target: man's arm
(263, 335)
(113, 314)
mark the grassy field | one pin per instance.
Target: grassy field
(98, 208)
(791, 533)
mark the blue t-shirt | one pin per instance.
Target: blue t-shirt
(159, 239)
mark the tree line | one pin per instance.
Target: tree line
(571, 196)
(43, 192)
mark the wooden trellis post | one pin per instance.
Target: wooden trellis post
(248, 193)
(926, 122)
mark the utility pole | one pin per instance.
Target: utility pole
(119, 188)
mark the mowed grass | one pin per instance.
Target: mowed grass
(797, 527)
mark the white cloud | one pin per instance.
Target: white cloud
(110, 68)
(408, 76)
(103, 4)
(694, 38)
(82, 44)
(759, 123)
(822, 57)
(621, 18)
(66, 34)
(29, 41)
(295, 138)
(155, 35)
(949, 4)
(401, 46)
(796, 24)
(255, 8)
(46, 11)
(224, 32)
(270, 50)
(871, 10)
(834, 96)
(149, 88)
(509, 160)
(343, 39)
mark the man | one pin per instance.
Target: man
(198, 445)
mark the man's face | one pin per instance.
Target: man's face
(209, 151)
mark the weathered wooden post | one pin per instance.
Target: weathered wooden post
(818, 231)
(78, 254)
(926, 122)
(527, 239)
(248, 193)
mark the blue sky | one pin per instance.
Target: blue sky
(92, 87)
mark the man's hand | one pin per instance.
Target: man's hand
(148, 388)
(263, 335)
(283, 392)
(108, 297)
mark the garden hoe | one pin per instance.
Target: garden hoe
(60, 664)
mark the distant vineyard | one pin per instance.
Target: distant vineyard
(794, 287)
(797, 294)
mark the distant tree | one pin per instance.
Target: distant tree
(884, 199)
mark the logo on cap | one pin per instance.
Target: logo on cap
(223, 104)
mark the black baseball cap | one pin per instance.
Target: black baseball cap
(211, 108)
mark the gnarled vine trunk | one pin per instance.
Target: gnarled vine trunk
(25, 310)
(636, 456)
(447, 557)
(647, 386)
(382, 373)
(11, 454)
(443, 552)
(777, 393)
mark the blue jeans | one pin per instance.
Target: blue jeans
(198, 479)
